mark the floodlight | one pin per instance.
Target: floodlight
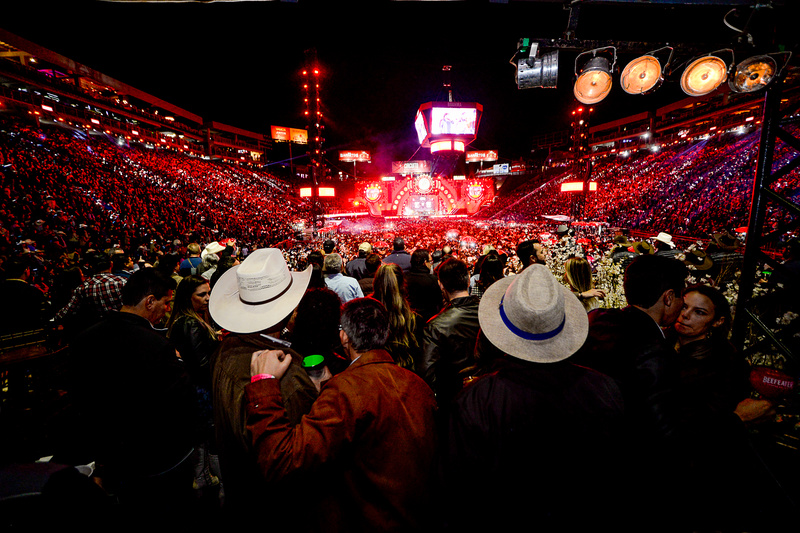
(535, 71)
(644, 74)
(703, 75)
(594, 81)
(753, 74)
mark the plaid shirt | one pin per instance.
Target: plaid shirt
(102, 292)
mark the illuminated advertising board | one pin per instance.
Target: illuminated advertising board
(481, 155)
(577, 186)
(411, 167)
(350, 156)
(295, 135)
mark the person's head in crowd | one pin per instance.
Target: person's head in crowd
(191, 299)
(332, 264)
(372, 263)
(315, 323)
(168, 264)
(223, 265)
(98, 262)
(148, 293)
(533, 317)
(421, 259)
(491, 270)
(398, 244)
(258, 294)
(453, 276)
(447, 252)
(120, 262)
(390, 290)
(531, 251)
(655, 283)
(314, 328)
(663, 242)
(578, 274)
(18, 267)
(316, 259)
(706, 313)
(436, 256)
(364, 249)
(365, 326)
(193, 249)
(328, 246)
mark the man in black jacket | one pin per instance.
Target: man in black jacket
(537, 439)
(138, 403)
(449, 337)
(629, 345)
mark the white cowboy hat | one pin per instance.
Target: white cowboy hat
(212, 248)
(532, 316)
(666, 238)
(258, 293)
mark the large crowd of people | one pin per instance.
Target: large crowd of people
(402, 375)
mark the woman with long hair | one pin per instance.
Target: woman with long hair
(192, 332)
(389, 289)
(578, 274)
(491, 270)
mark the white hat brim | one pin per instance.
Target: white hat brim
(557, 348)
(232, 314)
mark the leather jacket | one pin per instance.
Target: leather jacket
(448, 352)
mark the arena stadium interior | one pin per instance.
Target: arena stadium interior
(89, 163)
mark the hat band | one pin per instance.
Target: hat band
(291, 280)
(527, 335)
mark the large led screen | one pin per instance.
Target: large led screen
(453, 121)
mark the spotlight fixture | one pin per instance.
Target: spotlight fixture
(753, 74)
(533, 71)
(594, 81)
(644, 74)
(703, 75)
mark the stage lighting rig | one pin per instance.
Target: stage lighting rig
(593, 82)
(644, 74)
(533, 70)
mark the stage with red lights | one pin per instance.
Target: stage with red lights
(426, 196)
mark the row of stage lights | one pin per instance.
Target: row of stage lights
(645, 74)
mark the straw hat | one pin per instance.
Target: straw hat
(258, 293)
(531, 316)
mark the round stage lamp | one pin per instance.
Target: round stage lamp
(642, 75)
(703, 75)
(753, 74)
(594, 82)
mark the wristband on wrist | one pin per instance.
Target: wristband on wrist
(259, 377)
